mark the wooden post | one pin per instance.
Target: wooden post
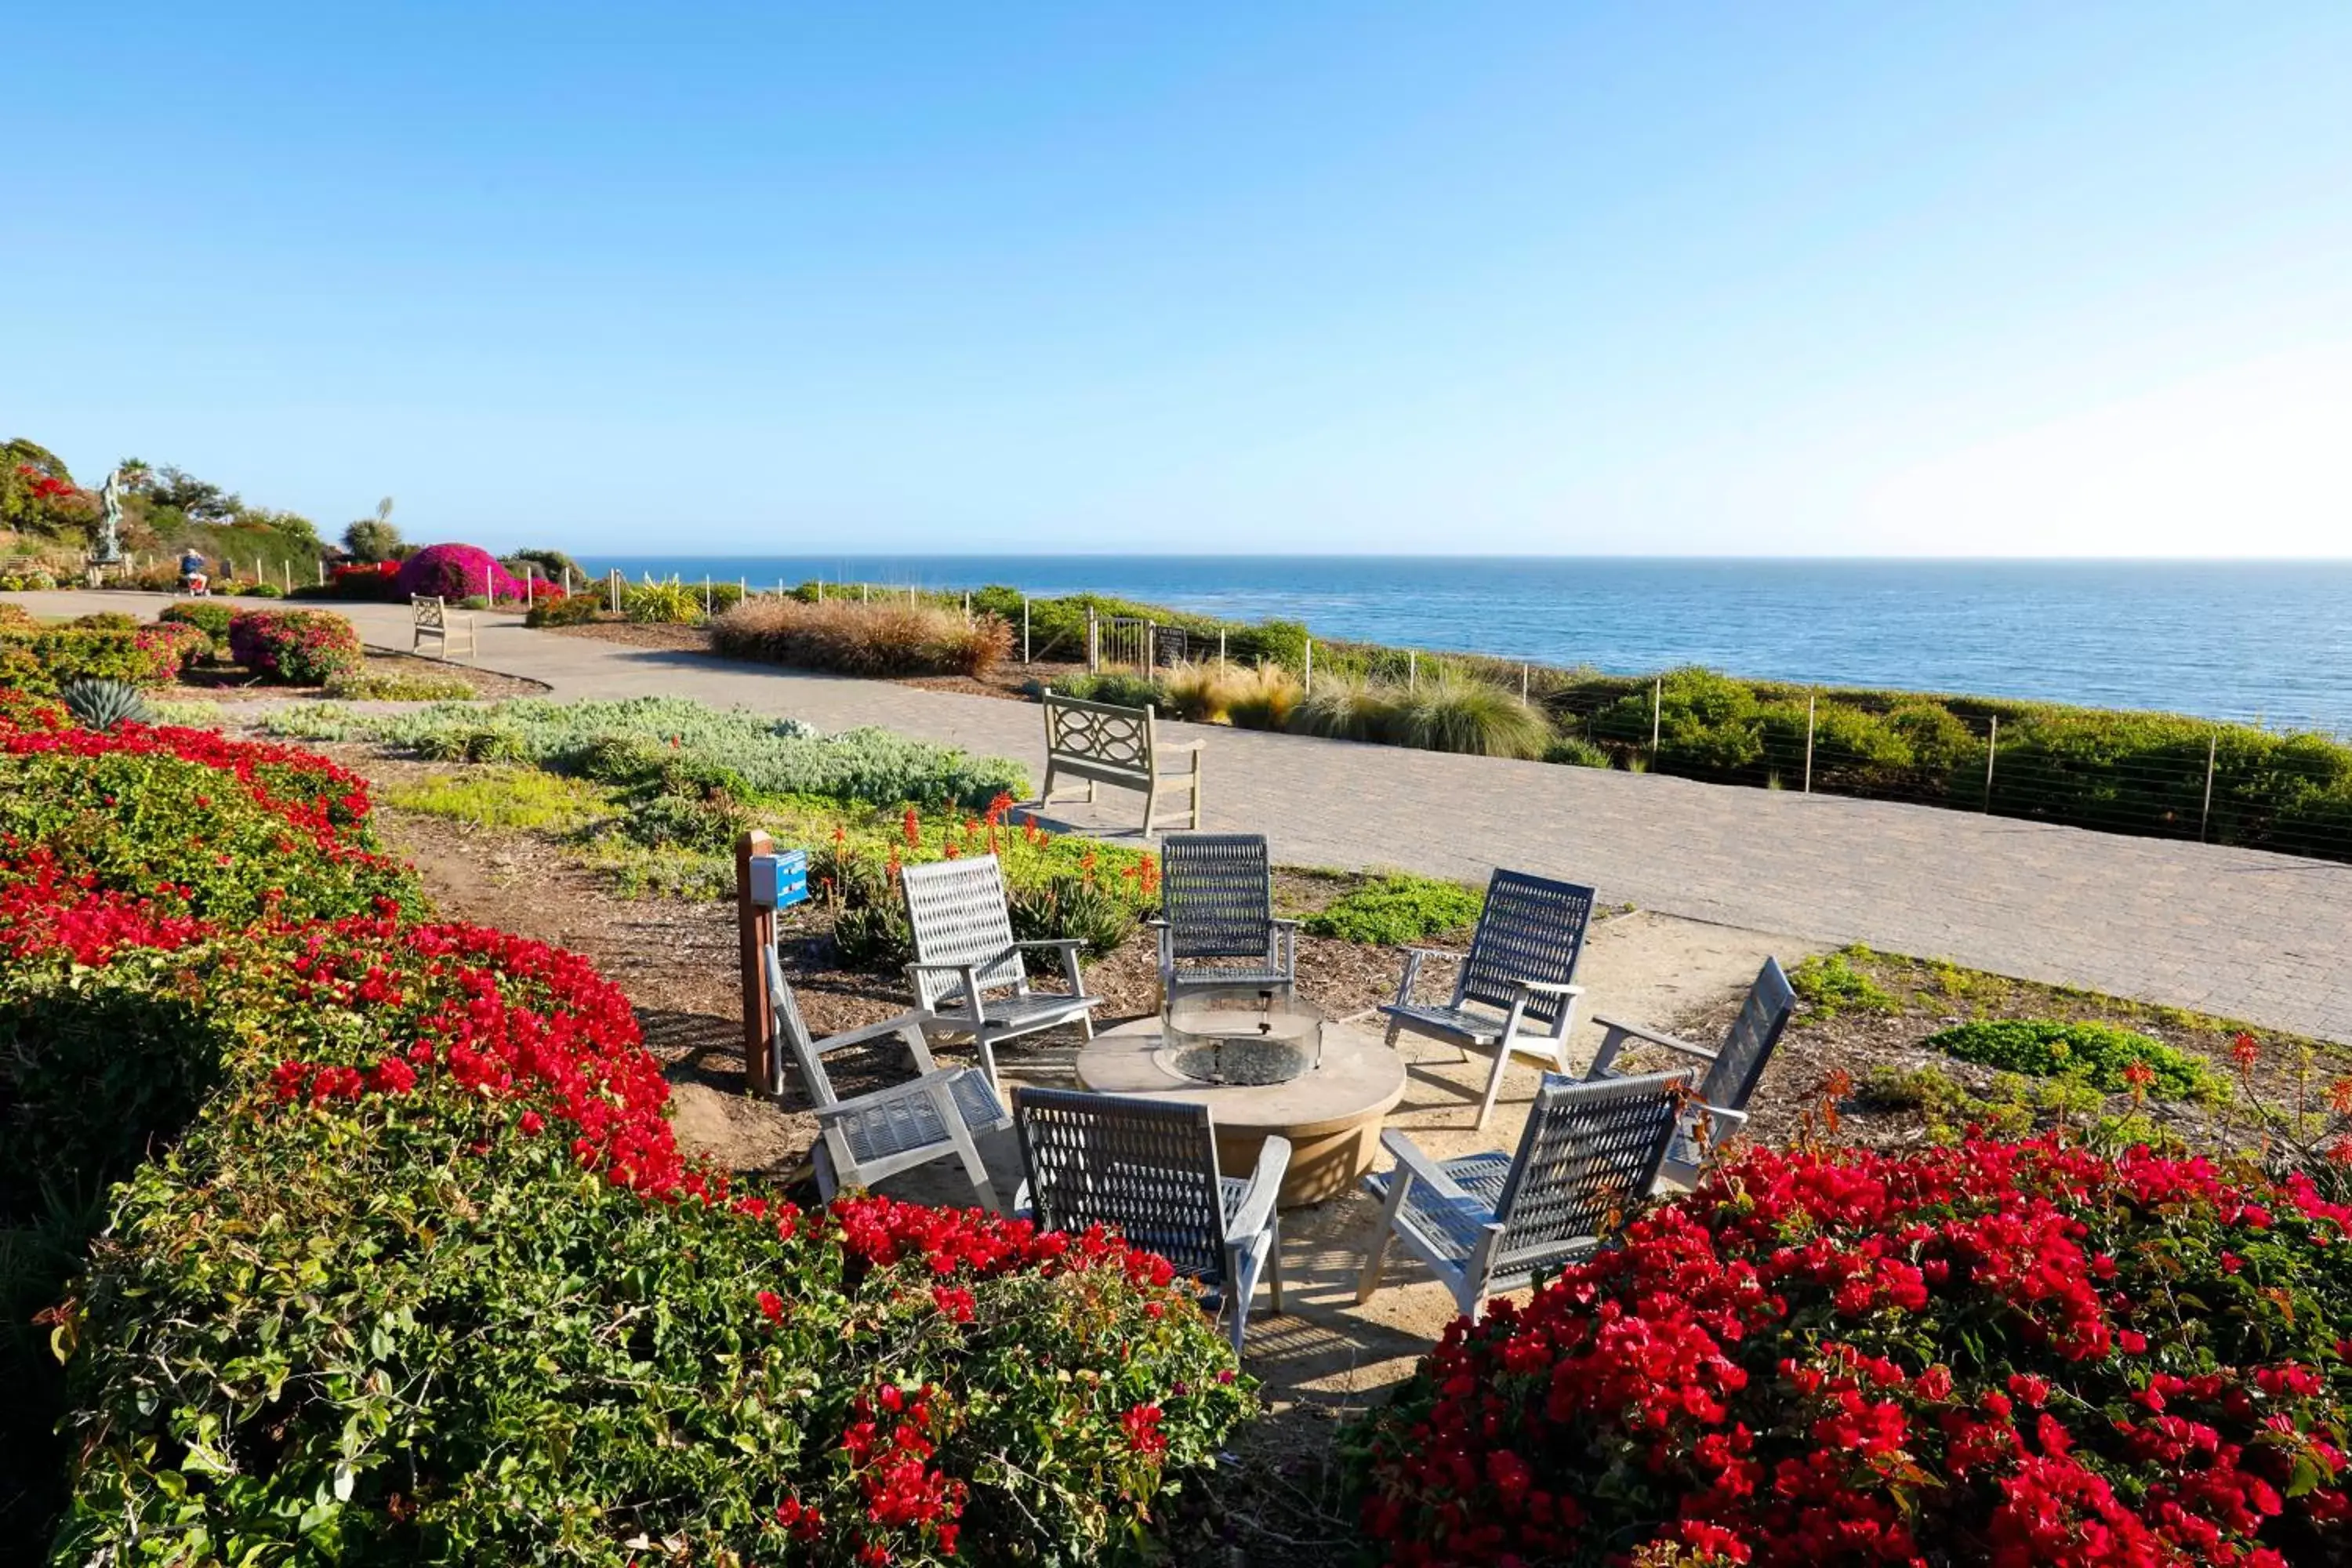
(1412, 670)
(615, 581)
(2212, 756)
(1992, 745)
(322, 574)
(755, 930)
(706, 596)
(967, 606)
(1523, 683)
(1810, 698)
(1309, 684)
(1025, 628)
(1151, 659)
(1220, 648)
(861, 593)
(529, 583)
(1094, 642)
(1657, 707)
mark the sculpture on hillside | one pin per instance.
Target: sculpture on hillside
(106, 551)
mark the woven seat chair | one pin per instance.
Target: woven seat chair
(1148, 1169)
(1521, 971)
(1491, 1222)
(1216, 920)
(1733, 1068)
(969, 976)
(935, 1116)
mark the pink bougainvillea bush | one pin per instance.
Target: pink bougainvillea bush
(2003, 1354)
(426, 1275)
(455, 571)
(300, 647)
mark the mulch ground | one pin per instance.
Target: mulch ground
(233, 683)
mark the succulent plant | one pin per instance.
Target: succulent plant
(99, 704)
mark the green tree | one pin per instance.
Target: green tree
(36, 491)
(198, 500)
(292, 525)
(373, 538)
(551, 564)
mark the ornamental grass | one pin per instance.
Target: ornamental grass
(882, 638)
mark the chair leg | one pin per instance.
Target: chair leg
(1494, 1082)
(1395, 1029)
(1274, 1261)
(988, 1059)
(1369, 1280)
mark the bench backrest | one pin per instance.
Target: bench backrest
(1102, 733)
(430, 611)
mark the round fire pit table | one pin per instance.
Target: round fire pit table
(1331, 1115)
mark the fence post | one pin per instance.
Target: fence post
(1308, 686)
(1523, 684)
(755, 929)
(2212, 756)
(706, 596)
(1992, 746)
(1412, 670)
(322, 574)
(1094, 642)
(967, 606)
(1025, 628)
(1658, 708)
(1220, 648)
(286, 569)
(1151, 659)
(862, 595)
(1811, 698)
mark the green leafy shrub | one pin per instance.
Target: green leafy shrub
(1118, 687)
(577, 610)
(107, 621)
(1576, 752)
(212, 619)
(885, 637)
(1068, 909)
(149, 656)
(15, 617)
(297, 647)
(2101, 1054)
(261, 590)
(1395, 911)
(1832, 983)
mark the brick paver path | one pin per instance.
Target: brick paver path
(2239, 932)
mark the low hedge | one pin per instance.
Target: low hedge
(212, 619)
(425, 1275)
(2105, 1056)
(297, 647)
(1395, 911)
(2003, 1354)
(43, 659)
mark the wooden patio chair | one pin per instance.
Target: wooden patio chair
(1491, 1222)
(1520, 971)
(968, 975)
(1148, 1169)
(1216, 922)
(936, 1115)
(1733, 1068)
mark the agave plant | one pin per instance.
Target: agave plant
(99, 704)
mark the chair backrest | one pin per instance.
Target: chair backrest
(956, 912)
(1101, 732)
(1589, 1154)
(1754, 1036)
(1533, 929)
(429, 610)
(1216, 892)
(1147, 1168)
(791, 1033)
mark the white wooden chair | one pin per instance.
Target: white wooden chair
(937, 1115)
(1148, 1169)
(1733, 1068)
(1216, 922)
(1520, 971)
(1491, 1222)
(969, 976)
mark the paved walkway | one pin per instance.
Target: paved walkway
(2238, 932)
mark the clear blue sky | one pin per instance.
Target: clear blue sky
(1962, 278)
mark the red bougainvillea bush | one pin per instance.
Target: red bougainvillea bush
(456, 572)
(425, 1276)
(2003, 1354)
(300, 647)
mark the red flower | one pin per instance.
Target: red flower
(771, 1306)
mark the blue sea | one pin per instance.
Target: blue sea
(2265, 641)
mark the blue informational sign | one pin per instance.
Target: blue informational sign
(779, 880)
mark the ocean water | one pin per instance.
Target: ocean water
(2268, 641)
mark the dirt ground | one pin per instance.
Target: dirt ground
(230, 683)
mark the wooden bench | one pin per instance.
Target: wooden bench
(435, 621)
(1101, 743)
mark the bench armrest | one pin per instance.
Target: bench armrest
(1176, 748)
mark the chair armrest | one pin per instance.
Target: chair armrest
(1266, 1185)
(958, 968)
(912, 1088)
(1413, 958)
(1064, 942)
(1423, 1169)
(1653, 1036)
(865, 1032)
(1549, 987)
(1284, 920)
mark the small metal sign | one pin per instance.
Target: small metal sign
(779, 880)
